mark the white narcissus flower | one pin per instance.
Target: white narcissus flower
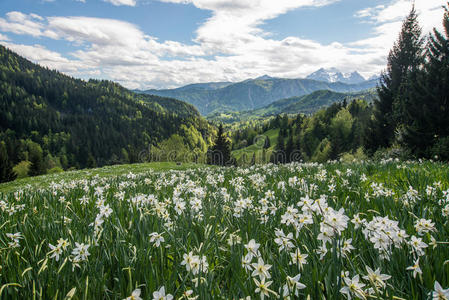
(156, 239)
(347, 246)
(298, 258)
(262, 288)
(376, 278)
(135, 295)
(353, 287)
(246, 262)
(55, 251)
(187, 260)
(81, 251)
(160, 295)
(283, 241)
(439, 293)
(292, 286)
(415, 268)
(253, 248)
(418, 245)
(261, 269)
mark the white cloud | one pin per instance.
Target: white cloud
(229, 46)
(3, 37)
(122, 2)
(19, 23)
(45, 57)
(388, 21)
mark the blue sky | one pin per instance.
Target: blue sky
(167, 43)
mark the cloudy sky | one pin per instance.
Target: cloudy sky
(168, 43)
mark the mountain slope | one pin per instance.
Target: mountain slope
(74, 123)
(306, 104)
(254, 93)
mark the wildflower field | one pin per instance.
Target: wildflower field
(319, 231)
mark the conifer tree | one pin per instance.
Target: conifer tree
(289, 148)
(253, 159)
(220, 153)
(37, 166)
(6, 171)
(427, 110)
(278, 155)
(267, 143)
(404, 58)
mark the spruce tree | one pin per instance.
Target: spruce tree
(6, 171)
(253, 159)
(37, 166)
(220, 153)
(278, 155)
(289, 148)
(267, 143)
(427, 110)
(404, 58)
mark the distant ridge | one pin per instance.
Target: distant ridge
(255, 93)
(306, 104)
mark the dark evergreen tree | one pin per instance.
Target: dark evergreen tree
(404, 58)
(6, 171)
(91, 162)
(427, 110)
(253, 159)
(267, 143)
(220, 153)
(278, 155)
(37, 166)
(289, 148)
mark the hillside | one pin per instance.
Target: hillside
(306, 104)
(253, 93)
(59, 121)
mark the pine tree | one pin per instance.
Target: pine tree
(220, 153)
(427, 110)
(6, 171)
(404, 58)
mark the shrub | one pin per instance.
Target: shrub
(22, 169)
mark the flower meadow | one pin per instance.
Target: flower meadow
(363, 230)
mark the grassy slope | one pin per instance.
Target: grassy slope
(108, 171)
(272, 135)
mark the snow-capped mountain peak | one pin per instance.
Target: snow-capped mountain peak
(334, 75)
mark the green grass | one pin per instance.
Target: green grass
(115, 213)
(43, 181)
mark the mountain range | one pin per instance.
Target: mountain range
(251, 94)
(306, 104)
(334, 75)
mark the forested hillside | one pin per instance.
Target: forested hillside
(306, 104)
(49, 120)
(328, 134)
